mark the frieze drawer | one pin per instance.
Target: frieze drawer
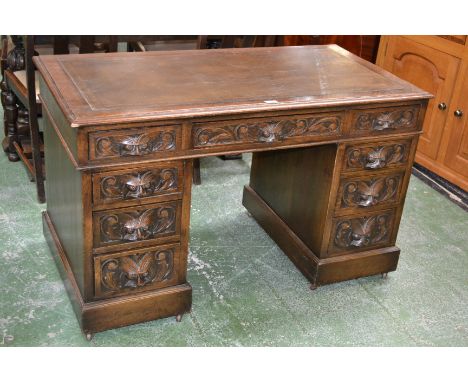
(146, 184)
(370, 192)
(376, 155)
(145, 225)
(385, 120)
(136, 271)
(352, 234)
(270, 130)
(128, 143)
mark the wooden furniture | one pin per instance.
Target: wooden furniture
(333, 138)
(438, 64)
(21, 103)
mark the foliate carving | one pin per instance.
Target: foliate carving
(136, 271)
(363, 231)
(266, 131)
(138, 185)
(377, 157)
(370, 192)
(135, 225)
(403, 118)
(135, 145)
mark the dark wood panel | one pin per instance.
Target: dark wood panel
(136, 226)
(296, 184)
(134, 143)
(368, 192)
(136, 271)
(376, 155)
(65, 203)
(271, 130)
(147, 184)
(358, 233)
(385, 120)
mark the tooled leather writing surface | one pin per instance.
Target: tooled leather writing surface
(130, 87)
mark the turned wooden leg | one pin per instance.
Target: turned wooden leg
(11, 116)
(14, 61)
(4, 91)
(23, 131)
(196, 171)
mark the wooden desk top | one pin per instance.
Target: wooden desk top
(134, 87)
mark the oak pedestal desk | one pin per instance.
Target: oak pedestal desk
(333, 138)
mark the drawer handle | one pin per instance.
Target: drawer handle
(366, 200)
(362, 232)
(375, 159)
(442, 106)
(458, 113)
(359, 240)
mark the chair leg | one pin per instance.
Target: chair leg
(196, 171)
(11, 116)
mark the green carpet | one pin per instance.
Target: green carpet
(246, 292)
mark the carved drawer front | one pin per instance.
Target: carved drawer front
(145, 225)
(139, 184)
(354, 234)
(270, 130)
(364, 193)
(127, 143)
(136, 271)
(385, 120)
(375, 156)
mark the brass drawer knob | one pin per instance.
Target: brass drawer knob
(458, 113)
(442, 106)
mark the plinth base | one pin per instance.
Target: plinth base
(97, 316)
(318, 271)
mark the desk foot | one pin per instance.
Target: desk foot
(179, 317)
(313, 286)
(384, 275)
(89, 336)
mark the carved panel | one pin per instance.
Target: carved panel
(127, 186)
(265, 131)
(135, 225)
(119, 273)
(377, 156)
(385, 120)
(128, 144)
(351, 234)
(369, 192)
